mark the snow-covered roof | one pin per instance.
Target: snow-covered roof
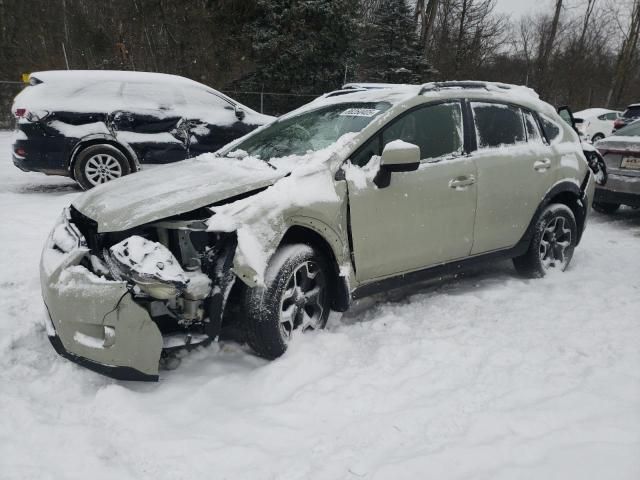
(92, 76)
(397, 93)
(592, 112)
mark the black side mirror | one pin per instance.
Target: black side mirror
(240, 114)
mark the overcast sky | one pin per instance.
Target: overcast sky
(519, 7)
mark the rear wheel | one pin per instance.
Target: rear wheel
(552, 245)
(99, 164)
(295, 299)
(607, 208)
(597, 137)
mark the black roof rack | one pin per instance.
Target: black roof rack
(345, 91)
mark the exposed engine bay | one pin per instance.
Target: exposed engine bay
(174, 268)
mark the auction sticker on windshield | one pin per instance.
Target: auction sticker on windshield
(360, 112)
(631, 162)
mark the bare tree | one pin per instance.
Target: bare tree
(546, 47)
(626, 58)
(425, 14)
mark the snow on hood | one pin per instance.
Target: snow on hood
(172, 189)
(180, 187)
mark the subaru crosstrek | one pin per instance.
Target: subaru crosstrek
(362, 190)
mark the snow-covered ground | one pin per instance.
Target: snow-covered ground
(486, 377)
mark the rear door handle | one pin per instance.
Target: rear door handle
(542, 165)
(462, 182)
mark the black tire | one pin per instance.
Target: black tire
(99, 164)
(596, 137)
(606, 208)
(549, 249)
(264, 307)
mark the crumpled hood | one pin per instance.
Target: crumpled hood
(168, 190)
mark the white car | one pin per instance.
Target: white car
(596, 123)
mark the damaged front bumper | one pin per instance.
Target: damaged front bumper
(91, 320)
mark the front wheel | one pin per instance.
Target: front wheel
(597, 137)
(552, 245)
(294, 299)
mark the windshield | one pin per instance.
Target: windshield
(309, 131)
(630, 130)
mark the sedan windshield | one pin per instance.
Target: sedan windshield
(310, 131)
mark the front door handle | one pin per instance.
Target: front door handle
(461, 183)
(542, 165)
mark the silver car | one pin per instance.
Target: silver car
(621, 152)
(362, 190)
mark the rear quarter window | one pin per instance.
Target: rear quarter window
(550, 127)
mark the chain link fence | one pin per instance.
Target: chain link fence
(269, 103)
(8, 90)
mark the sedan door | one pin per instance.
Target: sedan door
(515, 170)
(422, 217)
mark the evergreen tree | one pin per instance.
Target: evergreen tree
(390, 46)
(301, 46)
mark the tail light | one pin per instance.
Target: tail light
(21, 152)
(619, 123)
(32, 116)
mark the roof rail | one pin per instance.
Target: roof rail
(371, 86)
(344, 91)
(435, 86)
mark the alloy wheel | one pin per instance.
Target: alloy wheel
(555, 244)
(102, 168)
(303, 301)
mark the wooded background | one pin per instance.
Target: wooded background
(577, 52)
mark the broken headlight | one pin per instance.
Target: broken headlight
(65, 235)
(149, 265)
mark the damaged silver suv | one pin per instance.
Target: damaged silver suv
(364, 189)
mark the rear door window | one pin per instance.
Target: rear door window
(497, 125)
